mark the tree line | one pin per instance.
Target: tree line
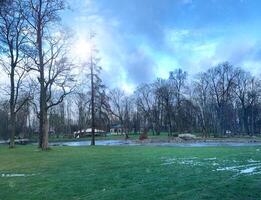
(221, 101)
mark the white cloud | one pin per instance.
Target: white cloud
(127, 56)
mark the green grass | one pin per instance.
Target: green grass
(128, 173)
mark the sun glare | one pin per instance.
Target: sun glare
(81, 50)
(128, 88)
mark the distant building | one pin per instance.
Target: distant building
(117, 129)
(88, 132)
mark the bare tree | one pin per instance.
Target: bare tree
(116, 103)
(201, 97)
(164, 98)
(222, 84)
(145, 100)
(13, 38)
(177, 81)
(120, 105)
(82, 102)
(48, 52)
(102, 107)
(96, 85)
(243, 91)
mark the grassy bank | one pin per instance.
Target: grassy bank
(130, 173)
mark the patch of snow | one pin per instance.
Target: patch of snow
(248, 170)
(210, 158)
(192, 158)
(183, 161)
(169, 161)
(16, 175)
(233, 168)
(189, 162)
(252, 161)
(251, 167)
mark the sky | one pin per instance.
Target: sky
(141, 40)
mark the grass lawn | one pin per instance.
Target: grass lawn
(130, 173)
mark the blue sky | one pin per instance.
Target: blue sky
(140, 40)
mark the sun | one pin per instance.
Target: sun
(81, 49)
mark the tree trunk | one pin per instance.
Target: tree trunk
(12, 110)
(245, 118)
(220, 128)
(44, 126)
(12, 131)
(45, 129)
(170, 126)
(92, 104)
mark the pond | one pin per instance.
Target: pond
(97, 142)
(131, 143)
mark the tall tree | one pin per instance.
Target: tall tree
(13, 37)
(145, 100)
(222, 84)
(120, 107)
(96, 85)
(177, 81)
(48, 51)
(200, 95)
(243, 91)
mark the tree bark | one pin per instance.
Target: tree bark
(12, 110)
(45, 132)
(92, 102)
(43, 128)
(12, 131)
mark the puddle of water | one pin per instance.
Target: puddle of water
(132, 143)
(98, 142)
